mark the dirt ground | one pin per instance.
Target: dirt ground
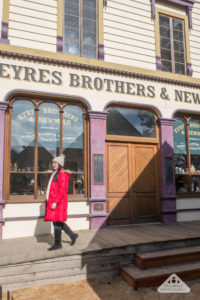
(99, 289)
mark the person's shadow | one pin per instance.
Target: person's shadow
(43, 229)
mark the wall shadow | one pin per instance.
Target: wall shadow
(43, 229)
(139, 204)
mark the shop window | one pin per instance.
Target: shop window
(172, 44)
(131, 122)
(39, 133)
(187, 154)
(80, 27)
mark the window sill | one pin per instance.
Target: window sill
(187, 195)
(41, 199)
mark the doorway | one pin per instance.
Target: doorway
(132, 183)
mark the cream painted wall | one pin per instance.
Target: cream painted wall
(22, 228)
(33, 24)
(185, 203)
(15, 229)
(195, 40)
(129, 35)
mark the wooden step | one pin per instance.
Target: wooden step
(60, 270)
(167, 257)
(156, 276)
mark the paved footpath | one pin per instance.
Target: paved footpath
(20, 250)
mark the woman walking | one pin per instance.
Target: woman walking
(56, 205)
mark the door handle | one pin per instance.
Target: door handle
(134, 189)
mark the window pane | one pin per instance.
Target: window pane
(178, 35)
(22, 184)
(22, 136)
(89, 3)
(178, 46)
(71, 9)
(71, 35)
(72, 48)
(179, 68)
(164, 21)
(194, 135)
(166, 54)
(180, 155)
(165, 43)
(22, 147)
(166, 66)
(164, 32)
(89, 38)
(89, 26)
(89, 13)
(131, 122)
(72, 22)
(89, 51)
(73, 135)
(179, 57)
(177, 24)
(48, 135)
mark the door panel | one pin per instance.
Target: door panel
(133, 189)
(118, 184)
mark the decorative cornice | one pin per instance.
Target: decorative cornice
(166, 122)
(98, 68)
(186, 3)
(3, 106)
(98, 199)
(97, 115)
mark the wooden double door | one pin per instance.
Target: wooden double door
(133, 183)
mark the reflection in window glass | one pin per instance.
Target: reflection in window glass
(194, 137)
(180, 155)
(48, 135)
(80, 28)
(73, 147)
(131, 122)
(22, 144)
(172, 39)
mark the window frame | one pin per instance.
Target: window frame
(186, 118)
(37, 101)
(184, 18)
(80, 33)
(136, 139)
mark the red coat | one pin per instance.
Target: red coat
(58, 193)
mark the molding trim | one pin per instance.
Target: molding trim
(110, 68)
(4, 31)
(166, 122)
(158, 63)
(97, 115)
(3, 106)
(59, 45)
(101, 52)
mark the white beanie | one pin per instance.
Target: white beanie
(60, 159)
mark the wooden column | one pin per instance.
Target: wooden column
(97, 150)
(168, 190)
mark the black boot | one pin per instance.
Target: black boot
(57, 236)
(68, 231)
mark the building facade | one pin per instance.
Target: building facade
(115, 86)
